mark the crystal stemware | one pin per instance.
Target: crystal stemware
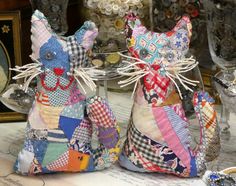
(221, 31)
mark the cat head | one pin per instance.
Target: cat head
(159, 58)
(60, 55)
(158, 48)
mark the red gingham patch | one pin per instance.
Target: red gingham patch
(101, 114)
(157, 83)
(59, 163)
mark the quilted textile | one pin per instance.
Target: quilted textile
(158, 138)
(62, 121)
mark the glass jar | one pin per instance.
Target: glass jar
(109, 16)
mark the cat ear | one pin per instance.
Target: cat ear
(181, 35)
(41, 32)
(133, 28)
(184, 23)
(86, 35)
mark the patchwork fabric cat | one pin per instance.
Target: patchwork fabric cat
(66, 131)
(158, 138)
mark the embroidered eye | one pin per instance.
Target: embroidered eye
(143, 53)
(49, 55)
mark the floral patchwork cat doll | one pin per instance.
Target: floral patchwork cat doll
(62, 120)
(158, 138)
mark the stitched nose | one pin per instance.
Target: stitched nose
(58, 71)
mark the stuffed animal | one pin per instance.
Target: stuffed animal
(158, 138)
(66, 131)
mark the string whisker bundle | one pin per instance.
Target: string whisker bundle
(172, 70)
(86, 75)
(28, 72)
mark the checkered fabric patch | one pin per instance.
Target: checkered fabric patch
(83, 132)
(59, 97)
(77, 53)
(98, 153)
(144, 149)
(208, 120)
(60, 162)
(100, 113)
(157, 83)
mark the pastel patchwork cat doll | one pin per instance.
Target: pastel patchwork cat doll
(62, 122)
(158, 138)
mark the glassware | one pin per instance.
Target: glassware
(221, 26)
(224, 82)
(55, 11)
(109, 16)
(16, 99)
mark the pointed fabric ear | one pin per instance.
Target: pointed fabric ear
(133, 28)
(184, 23)
(86, 35)
(40, 32)
(181, 36)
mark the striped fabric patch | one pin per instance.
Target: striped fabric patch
(208, 120)
(179, 126)
(57, 135)
(42, 98)
(167, 121)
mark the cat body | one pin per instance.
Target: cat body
(66, 131)
(158, 138)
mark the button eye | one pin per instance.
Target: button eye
(49, 55)
(170, 56)
(143, 53)
(73, 58)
